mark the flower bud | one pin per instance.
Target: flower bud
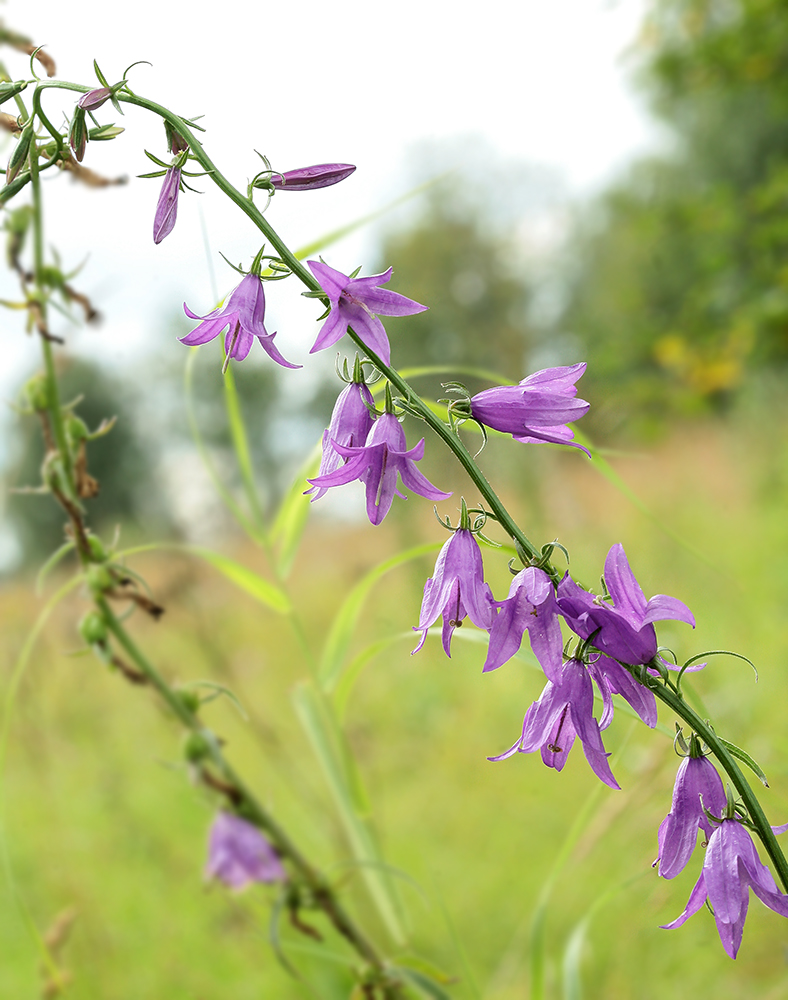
(305, 178)
(78, 134)
(97, 550)
(21, 150)
(99, 579)
(36, 392)
(9, 89)
(195, 748)
(94, 98)
(93, 629)
(175, 142)
(77, 429)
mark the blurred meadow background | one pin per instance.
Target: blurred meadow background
(599, 182)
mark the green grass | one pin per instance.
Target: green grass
(100, 815)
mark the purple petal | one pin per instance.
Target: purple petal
(167, 206)
(306, 178)
(624, 588)
(696, 900)
(330, 332)
(332, 282)
(384, 301)
(561, 379)
(206, 331)
(555, 750)
(267, 343)
(660, 608)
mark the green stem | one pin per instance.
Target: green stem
(53, 392)
(318, 885)
(731, 768)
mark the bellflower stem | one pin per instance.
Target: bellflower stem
(323, 894)
(731, 768)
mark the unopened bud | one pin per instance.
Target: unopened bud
(10, 88)
(78, 134)
(195, 748)
(99, 579)
(97, 550)
(94, 98)
(20, 153)
(93, 629)
(10, 123)
(36, 392)
(175, 142)
(77, 429)
(305, 178)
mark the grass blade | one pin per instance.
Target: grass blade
(293, 513)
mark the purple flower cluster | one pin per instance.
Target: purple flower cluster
(620, 631)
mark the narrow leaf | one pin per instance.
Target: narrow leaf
(50, 564)
(426, 985)
(325, 739)
(293, 514)
(341, 633)
(245, 579)
(745, 758)
(241, 447)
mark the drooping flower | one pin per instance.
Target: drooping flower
(167, 207)
(624, 630)
(242, 316)
(306, 178)
(350, 425)
(238, 853)
(537, 409)
(456, 589)
(564, 710)
(93, 100)
(358, 302)
(530, 607)
(698, 787)
(377, 462)
(611, 678)
(731, 868)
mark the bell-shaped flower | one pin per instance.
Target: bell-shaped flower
(351, 422)
(611, 678)
(731, 868)
(530, 607)
(564, 710)
(167, 207)
(456, 589)
(623, 630)
(242, 316)
(358, 302)
(537, 409)
(377, 463)
(306, 178)
(238, 853)
(698, 787)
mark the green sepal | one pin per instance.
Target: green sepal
(745, 758)
(104, 132)
(93, 629)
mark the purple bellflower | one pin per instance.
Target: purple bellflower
(238, 853)
(698, 787)
(456, 589)
(731, 868)
(564, 710)
(530, 607)
(93, 100)
(377, 462)
(350, 425)
(306, 178)
(357, 302)
(167, 207)
(624, 630)
(537, 409)
(242, 316)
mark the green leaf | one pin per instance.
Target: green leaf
(219, 689)
(228, 499)
(344, 624)
(344, 782)
(245, 579)
(604, 468)
(50, 564)
(353, 670)
(241, 447)
(745, 758)
(293, 514)
(337, 234)
(426, 985)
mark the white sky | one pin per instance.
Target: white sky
(308, 82)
